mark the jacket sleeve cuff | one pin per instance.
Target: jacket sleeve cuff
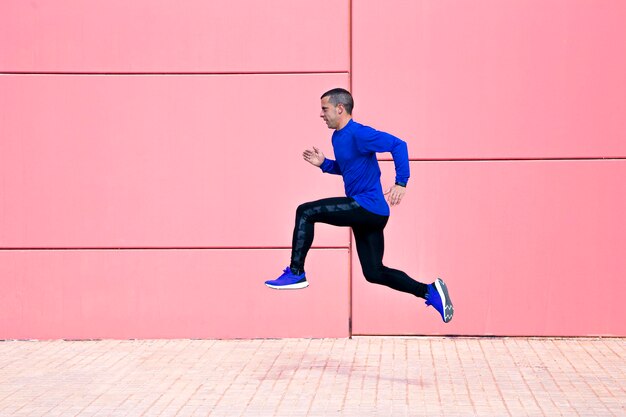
(326, 165)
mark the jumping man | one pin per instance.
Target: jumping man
(364, 208)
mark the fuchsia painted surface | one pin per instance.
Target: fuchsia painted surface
(525, 247)
(489, 79)
(125, 200)
(149, 161)
(109, 36)
(168, 294)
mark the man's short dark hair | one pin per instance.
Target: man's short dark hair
(339, 95)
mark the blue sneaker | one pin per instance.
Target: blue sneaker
(288, 281)
(438, 297)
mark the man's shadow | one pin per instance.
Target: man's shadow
(350, 369)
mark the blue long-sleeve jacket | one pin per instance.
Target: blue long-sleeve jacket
(355, 147)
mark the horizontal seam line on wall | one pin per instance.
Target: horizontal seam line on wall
(176, 73)
(608, 158)
(163, 248)
(381, 335)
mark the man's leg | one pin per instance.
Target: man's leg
(338, 211)
(370, 246)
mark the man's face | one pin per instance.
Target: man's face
(330, 113)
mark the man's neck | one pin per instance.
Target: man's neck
(343, 123)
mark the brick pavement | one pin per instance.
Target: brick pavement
(365, 376)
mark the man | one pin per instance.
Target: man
(364, 208)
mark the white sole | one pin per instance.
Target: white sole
(297, 286)
(448, 308)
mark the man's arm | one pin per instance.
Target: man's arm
(371, 140)
(316, 157)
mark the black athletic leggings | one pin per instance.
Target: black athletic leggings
(368, 234)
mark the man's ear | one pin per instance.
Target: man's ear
(340, 108)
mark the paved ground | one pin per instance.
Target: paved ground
(302, 377)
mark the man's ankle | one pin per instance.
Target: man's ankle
(296, 271)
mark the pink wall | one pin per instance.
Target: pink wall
(150, 165)
(150, 168)
(526, 248)
(118, 36)
(486, 79)
(158, 161)
(168, 293)
(502, 95)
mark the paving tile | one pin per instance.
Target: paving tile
(364, 376)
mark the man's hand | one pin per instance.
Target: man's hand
(314, 156)
(395, 194)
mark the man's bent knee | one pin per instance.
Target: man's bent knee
(306, 209)
(374, 276)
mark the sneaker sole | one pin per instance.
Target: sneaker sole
(296, 286)
(448, 308)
